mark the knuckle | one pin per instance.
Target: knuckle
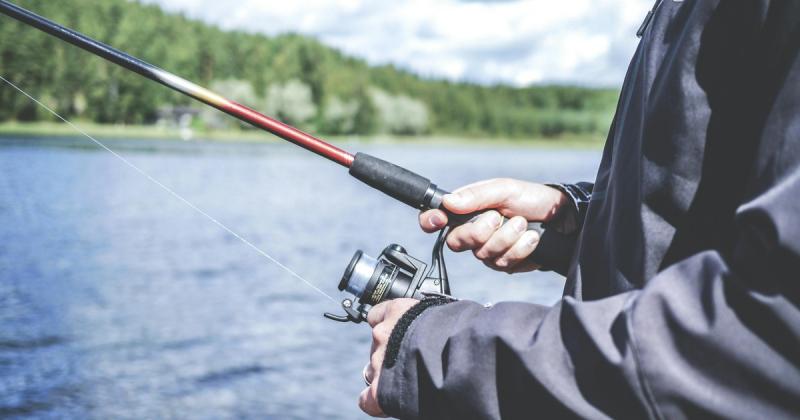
(470, 237)
(512, 190)
(506, 264)
(480, 236)
(475, 236)
(454, 243)
(468, 193)
(493, 248)
(515, 255)
(397, 308)
(376, 314)
(380, 333)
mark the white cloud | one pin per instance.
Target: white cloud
(519, 42)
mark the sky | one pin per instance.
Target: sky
(517, 42)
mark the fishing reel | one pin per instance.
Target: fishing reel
(394, 274)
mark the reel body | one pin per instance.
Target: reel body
(394, 274)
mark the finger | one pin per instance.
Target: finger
(397, 308)
(432, 220)
(380, 334)
(474, 235)
(379, 338)
(377, 313)
(373, 368)
(368, 401)
(519, 252)
(482, 195)
(503, 239)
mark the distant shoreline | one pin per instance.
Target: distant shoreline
(153, 132)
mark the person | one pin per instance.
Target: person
(682, 259)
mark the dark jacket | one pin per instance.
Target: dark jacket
(683, 282)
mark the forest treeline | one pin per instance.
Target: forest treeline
(293, 77)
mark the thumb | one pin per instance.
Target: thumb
(491, 194)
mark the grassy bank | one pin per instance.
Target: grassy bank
(152, 132)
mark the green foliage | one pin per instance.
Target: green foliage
(339, 116)
(399, 114)
(292, 102)
(290, 76)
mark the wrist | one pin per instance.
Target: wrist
(568, 217)
(560, 202)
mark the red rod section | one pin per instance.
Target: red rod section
(287, 132)
(168, 79)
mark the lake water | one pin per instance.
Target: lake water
(119, 301)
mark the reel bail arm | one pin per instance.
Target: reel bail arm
(351, 315)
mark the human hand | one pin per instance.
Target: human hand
(382, 318)
(501, 246)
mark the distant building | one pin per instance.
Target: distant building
(179, 118)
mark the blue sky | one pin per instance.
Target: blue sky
(518, 42)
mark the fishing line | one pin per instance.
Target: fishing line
(173, 193)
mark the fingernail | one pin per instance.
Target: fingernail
(501, 263)
(520, 225)
(533, 239)
(435, 220)
(495, 221)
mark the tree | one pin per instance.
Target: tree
(300, 80)
(400, 114)
(290, 102)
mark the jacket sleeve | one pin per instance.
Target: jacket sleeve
(559, 237)
(714, 335)
(704, 339)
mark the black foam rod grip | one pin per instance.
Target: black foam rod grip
(395, 181)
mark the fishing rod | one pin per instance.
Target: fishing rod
(371, 280)
(399, 183)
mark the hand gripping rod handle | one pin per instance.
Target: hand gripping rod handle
(419, 192)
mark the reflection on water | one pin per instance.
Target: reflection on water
(118, 301)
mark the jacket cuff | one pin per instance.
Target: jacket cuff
(401, 385)
(571, 219)
(399, 331)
